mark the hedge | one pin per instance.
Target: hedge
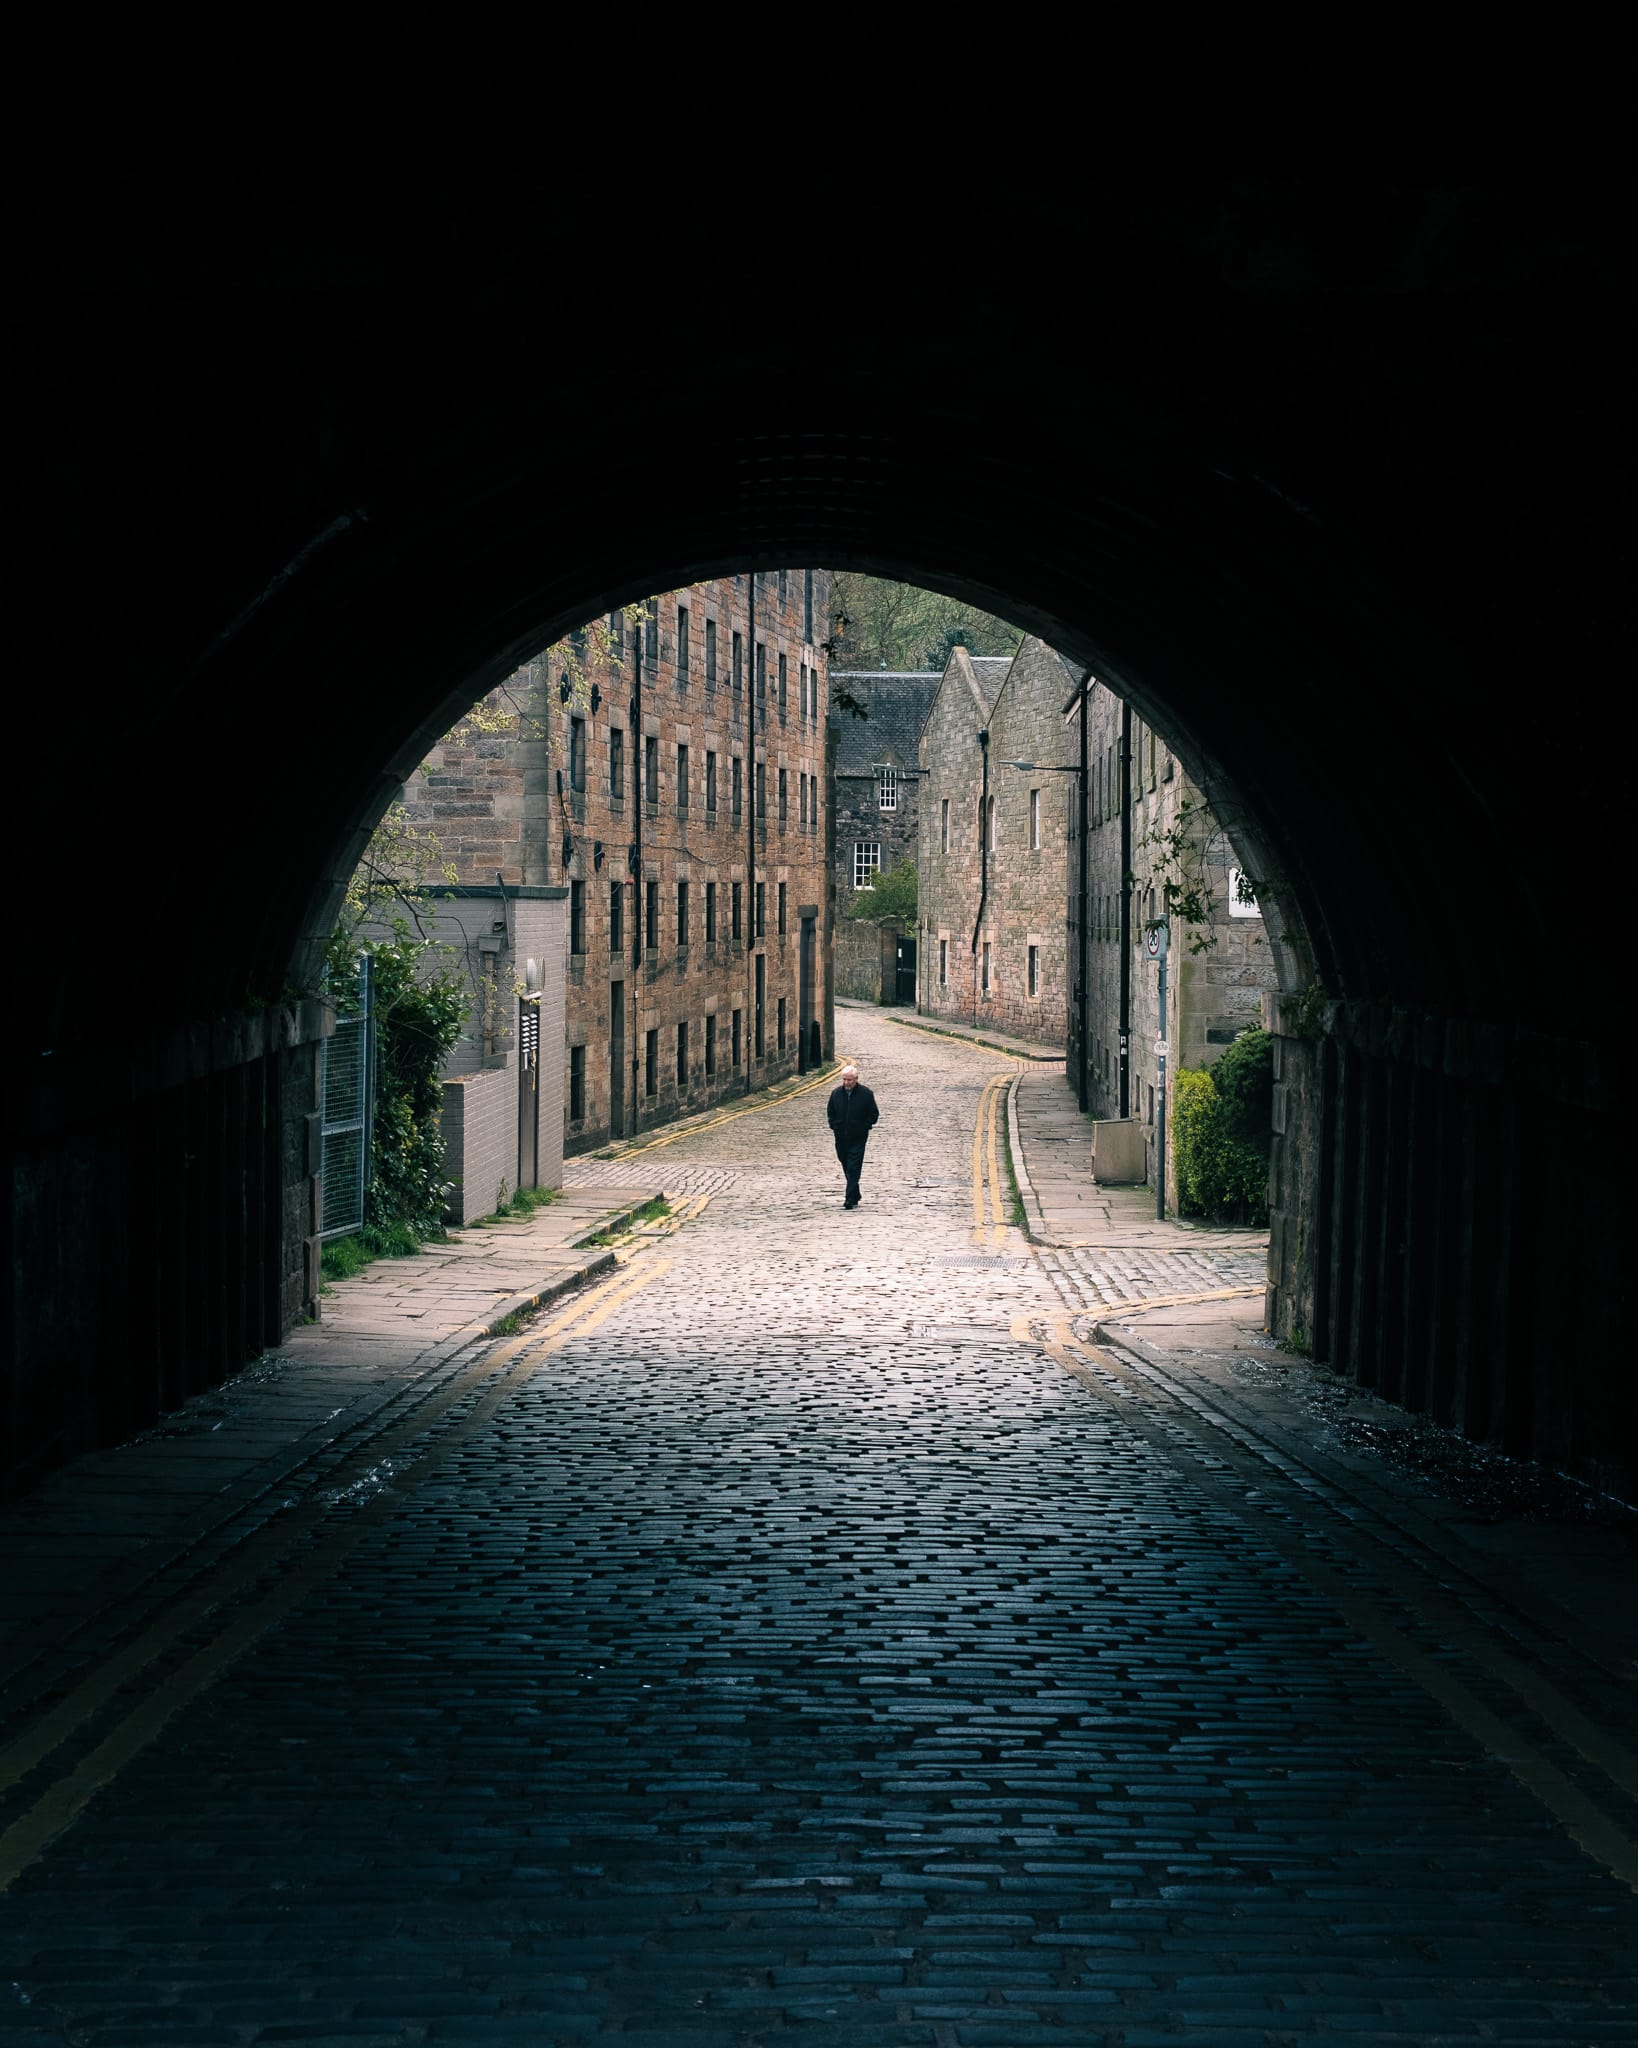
(1222, 1131)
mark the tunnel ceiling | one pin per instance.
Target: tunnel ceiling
(1328, 479)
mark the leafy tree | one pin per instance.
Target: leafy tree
(892, 895)
(880, 624)
(1222, 1130)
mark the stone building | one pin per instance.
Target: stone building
(1146, 819)
(874, 787)
(993, 843)
(665, 769)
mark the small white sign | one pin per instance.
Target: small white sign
(1160, 1048)
(1241, 901)
(1154, 943)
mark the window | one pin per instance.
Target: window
(710, 654)
(682, 778)
(682, 914)
(737, 1027)
(807, 685)
(682, 1059)
(762, 910)
(781, 910)
(779, 1027)
(577, 1084)
(991, 811)
(802, 800)
(807, 606)
(577, 917)
(1035, 970)
(782, 686)
(867, 862)
(617, 762)
(738, 664)
(651, 1064)
(651, 769)
(651, 640)
(762, 672)
(710, 913)
(617, 918)
(1035, 820)
(738, 791)
(887, 789)
(651, 916)
(736, 925)
(682, 645)
(710, 1047)
(944, 963)
(762, 789)
(617, 632)
(784, 586)
(784, 797)
(710, 781)
(984, 974)
(577, 753)
(944, 825)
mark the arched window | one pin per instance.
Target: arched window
(992, 824)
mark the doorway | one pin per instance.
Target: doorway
(617, 1059)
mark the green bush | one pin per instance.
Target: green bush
(890, 895)
(1221, 1130)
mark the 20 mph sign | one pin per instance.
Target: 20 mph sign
(1154, 943)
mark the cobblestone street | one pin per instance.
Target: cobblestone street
(815, 1631)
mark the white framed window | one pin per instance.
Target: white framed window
(867, 862)
(1035, 820)
(944, 826)
(887, 789)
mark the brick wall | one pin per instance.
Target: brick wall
(502, 792)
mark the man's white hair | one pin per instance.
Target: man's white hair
(850, 1068)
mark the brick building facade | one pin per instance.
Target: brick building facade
(993, 841)
(1138, 796)
(668, 770)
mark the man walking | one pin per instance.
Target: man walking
(852, 1111)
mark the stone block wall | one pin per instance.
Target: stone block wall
(993, 848)
(867, 959)
(480, 1128)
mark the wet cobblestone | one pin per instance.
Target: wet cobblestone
(797, 1656)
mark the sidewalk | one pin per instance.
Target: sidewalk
(100, 1530)
(994, 1041)
(1066, 1207)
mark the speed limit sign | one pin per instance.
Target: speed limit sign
(1154, 943)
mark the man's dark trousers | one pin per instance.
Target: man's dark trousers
(851, 1151)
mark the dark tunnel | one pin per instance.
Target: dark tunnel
(1329, 479)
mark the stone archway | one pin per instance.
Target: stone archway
(1321, 488)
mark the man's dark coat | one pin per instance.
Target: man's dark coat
(852, 1114)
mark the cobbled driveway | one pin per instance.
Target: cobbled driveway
(798, 1652)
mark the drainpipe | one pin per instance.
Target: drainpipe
(1125, 909)
(750, 826)
(637, 891)
(983, 859)
(1084, 964)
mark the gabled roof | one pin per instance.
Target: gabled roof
(899, 701)
(990, 672)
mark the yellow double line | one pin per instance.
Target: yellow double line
(991, 1213)
(496, 1374)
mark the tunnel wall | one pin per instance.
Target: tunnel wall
(164, 1220)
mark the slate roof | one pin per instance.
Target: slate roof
(899, 701)
(990, 672)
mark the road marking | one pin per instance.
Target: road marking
(991, 1223)
(767, 1100)
(498, 1372)
(1575, 1810)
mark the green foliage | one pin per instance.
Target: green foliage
(419, 1010)
(892, 895)
(879, 624)
(342, 1257)
(1221, 1130)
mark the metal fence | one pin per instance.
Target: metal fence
(349, 1089)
